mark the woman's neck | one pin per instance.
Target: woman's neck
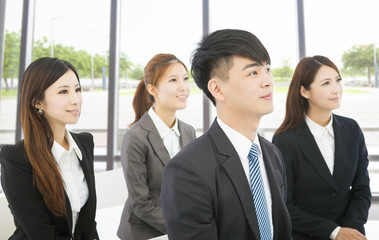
(320, 117)
(168, 117)
(60, 138)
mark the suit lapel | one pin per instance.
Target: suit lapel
(185, 136)
(154, 138)
(234, 170)
(309, 148)
(341, 141)
(88, 175)
(69, 213)
(84, 163)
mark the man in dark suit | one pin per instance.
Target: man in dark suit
(207, 188)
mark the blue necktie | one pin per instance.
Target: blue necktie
(258, 192)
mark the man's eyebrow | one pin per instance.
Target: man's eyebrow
(250, 65)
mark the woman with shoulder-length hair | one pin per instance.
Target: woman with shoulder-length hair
(154, 137)
(48, 177)
(325, 156)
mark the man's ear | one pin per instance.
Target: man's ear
(151, 90)
(215, 88)
(304, 92)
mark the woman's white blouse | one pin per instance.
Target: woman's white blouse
(169, 136)
(72, 173)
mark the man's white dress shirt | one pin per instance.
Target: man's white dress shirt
(242, 146)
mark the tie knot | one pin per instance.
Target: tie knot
(253, 150)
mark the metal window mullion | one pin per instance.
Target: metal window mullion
(206, 102)
(26, 50)
(113, 82)
(301, 28)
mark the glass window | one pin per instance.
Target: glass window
(9, 80)
(78, 31)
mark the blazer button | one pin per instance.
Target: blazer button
(334, 194)
(334, 210)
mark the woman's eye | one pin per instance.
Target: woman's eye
(79, 89)
(339, 79)
(172, 80)
(254, 73)
(63, 92)
(325, 83)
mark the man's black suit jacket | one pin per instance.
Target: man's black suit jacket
(318, 201)
(32, 218)
(206, 195)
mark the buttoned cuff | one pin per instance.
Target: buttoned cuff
(334, 234)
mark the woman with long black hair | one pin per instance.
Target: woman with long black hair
(325, 156)
(48, 177)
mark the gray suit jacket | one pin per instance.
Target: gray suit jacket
(143, 157)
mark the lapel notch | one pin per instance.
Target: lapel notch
(154, 138)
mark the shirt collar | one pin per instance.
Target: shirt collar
(57, 150)
(239, 141)
(318, 130)
(162, 128)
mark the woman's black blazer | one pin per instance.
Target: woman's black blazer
(32, 218)
(317, 200)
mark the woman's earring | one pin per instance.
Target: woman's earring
(40, 112)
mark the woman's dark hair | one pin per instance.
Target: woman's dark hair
(297, 105)
(153, 72)
(38, 135)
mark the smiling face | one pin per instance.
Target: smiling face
(247, 93)
(173, 89)
(324, 94)
(62, 101)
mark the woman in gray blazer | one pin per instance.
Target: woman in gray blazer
(154, 137)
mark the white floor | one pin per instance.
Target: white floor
(108, 220)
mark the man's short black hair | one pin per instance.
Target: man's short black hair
(213, 57)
